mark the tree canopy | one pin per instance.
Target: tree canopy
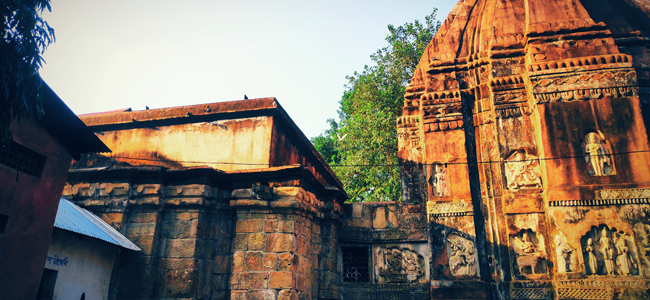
(362, 146)
(25, 37)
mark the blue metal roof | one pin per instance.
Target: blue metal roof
(76, 219)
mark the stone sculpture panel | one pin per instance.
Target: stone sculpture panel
(530, 257)
(461, 252)
(566, 255)
(597, 155)
(399, 264)
(608, 251)
(438, 180)
(522, 171)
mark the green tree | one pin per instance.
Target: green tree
(25, 37)
(365, 138)
(326, 144)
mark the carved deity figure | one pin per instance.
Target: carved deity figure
(522, 171)
(439, 181)
(564, 252)
(527, 253)
(607, 252)
(461, 256)
(394, 261)
(623, 261)
(597, 155)
(592, 265)
(525, 245)
(410, 264)
(399, 265)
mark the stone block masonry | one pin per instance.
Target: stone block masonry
(277, 251)
(184, 231)
(204, 241)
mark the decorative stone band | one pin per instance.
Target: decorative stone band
(440, 97)
(407, 121)
(414, 291)
(587, 94)
(585, 293)
(528, 293)
(507, 83)
(554, 27)
(442, 111)
(585, 80)
(510, 97)
(598, 202)
(623, 194)
(278, 198)
(444, 125)
(507, 40)
(603, 284)
(620, 60)
(512, 112)
(449, 209)
(366, 235)
(610, 197)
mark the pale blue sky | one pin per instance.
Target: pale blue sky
(134, 53)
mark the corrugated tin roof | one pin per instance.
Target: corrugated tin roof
(76, 219)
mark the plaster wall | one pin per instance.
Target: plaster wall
(239, 143)
(287, 149)
(31, 204)
(84, 265)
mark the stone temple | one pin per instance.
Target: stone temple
(524, 130)
(524, 162)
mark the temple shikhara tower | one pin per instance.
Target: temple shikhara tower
(525, 132)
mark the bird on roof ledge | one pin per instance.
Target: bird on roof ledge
(245, 97)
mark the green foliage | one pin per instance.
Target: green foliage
(364, 141)
(25, 37)
(326, 144)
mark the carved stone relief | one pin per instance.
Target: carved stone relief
(566, 255)
(399, 265)
(609, 252)
(530, 257)
(642, 232)
(438, 180)
(591, 262)
(597, 155)
(462, 256)
(522, 171)
(408, 132)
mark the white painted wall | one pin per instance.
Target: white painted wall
(84, 265)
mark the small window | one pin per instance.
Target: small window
(23, 159)
(48, 281)
(355, 264)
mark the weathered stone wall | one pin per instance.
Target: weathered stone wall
(207, 241)
(278, 250)
(183, 230)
